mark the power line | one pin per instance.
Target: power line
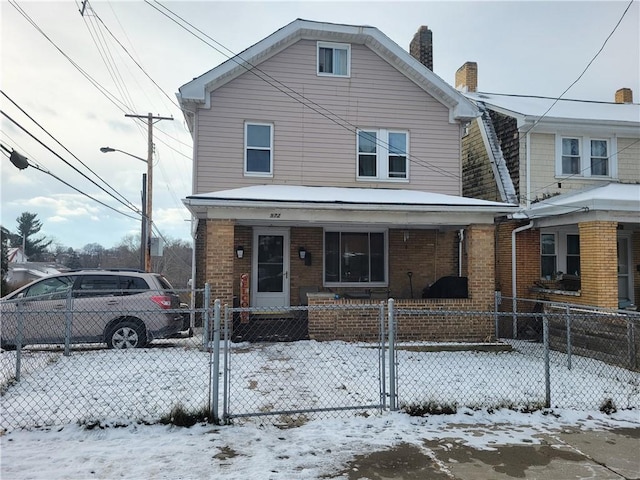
(128, 205)
(37, 167)
(585, 68)
(65, 148)
(108, 95)
(290, 92)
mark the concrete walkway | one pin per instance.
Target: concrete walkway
(568, 454)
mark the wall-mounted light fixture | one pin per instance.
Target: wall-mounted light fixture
(239, 251)
(302, 253)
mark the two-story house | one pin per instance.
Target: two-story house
(574, 167)
(326, 157)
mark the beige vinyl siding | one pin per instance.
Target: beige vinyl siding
(311, 149)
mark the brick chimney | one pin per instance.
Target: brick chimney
(624, 95)
(467, 77)
(421, 47)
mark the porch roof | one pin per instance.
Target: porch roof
(300, 204)
(613, 201)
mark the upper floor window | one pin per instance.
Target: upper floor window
(258, 149)
(382, 154)
(334, 59)
(585, 157)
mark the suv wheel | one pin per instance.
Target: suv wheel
(127, 335)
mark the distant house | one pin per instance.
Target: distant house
(574, 167)
(21, 271)
(327, 158)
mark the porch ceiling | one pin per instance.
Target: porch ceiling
(295, 205)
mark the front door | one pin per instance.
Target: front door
(270, 267)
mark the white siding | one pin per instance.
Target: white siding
(311, 149)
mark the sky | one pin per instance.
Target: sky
(102, 388)
(71, 89)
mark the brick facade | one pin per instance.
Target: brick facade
(598, 263)
(357, 320)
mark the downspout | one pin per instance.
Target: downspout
(460, 242)
(192, 306)
(528, 167)
(513, 275)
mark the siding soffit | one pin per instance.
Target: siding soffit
(199, 89)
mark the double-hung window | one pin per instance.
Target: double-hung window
(334, 59)
(258, 149)
(585, 157)
(383, 154)
(573, 254)
(548, 256)
(559, 252)
(355, 258)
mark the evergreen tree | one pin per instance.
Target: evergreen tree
(29, 225)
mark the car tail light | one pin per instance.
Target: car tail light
(163, 300)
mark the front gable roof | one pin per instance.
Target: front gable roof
(199, 89)
(552, 114)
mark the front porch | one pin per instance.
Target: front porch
(294, 253)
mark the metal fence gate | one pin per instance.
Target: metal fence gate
(272, 368)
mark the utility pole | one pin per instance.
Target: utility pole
(150, 121)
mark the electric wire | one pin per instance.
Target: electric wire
(65, 148)
(585, 68)
(43, 170)
(108, 95)
(291, 93)
(127, 205)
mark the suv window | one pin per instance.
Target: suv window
(135, 284)
(56, 286)
(96, 285)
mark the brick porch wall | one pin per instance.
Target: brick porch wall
(358, 320)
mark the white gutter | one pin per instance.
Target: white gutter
(460, 244)
(513, 274)
(528, 166)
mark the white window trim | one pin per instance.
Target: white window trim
(248, 173)
(585, 157)
(339, 46)
(382, 156)
(357, 284)
(561, 247)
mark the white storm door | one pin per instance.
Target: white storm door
(270, 268)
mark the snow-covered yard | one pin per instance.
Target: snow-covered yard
(93, 401)
(96, 384)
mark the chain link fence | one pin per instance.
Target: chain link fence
(73, 364)
(290, 375)
(232, 363)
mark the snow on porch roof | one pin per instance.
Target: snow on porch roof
(379, 197)
(613, 197)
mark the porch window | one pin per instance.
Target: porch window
(355, 258)
(573, 255)
(548, 256)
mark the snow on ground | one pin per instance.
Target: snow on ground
(263, 451)
(113, 389)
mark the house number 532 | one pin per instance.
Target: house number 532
(274, 215)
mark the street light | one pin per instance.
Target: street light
(147, 187)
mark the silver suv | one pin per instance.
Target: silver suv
(122, 308)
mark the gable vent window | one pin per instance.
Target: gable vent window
(334, 59)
